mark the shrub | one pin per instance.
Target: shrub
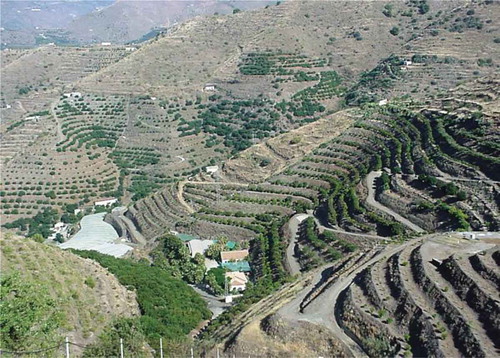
(394, 31)
(90, 282)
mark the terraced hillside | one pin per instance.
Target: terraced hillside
(439, 308)
(268, 80)
(435, 296)
(52, 67)
(339, 131)
(420, 188)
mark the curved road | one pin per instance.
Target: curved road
(322, 309)
(370, 183)
(293, 228)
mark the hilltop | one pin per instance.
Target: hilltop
(77, 23)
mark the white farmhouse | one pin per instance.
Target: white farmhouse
(105, 43)
(382, 102)
(237, 280)
(105, 202)
(209, 87)
(72, 95)
(212, 169)
(469, 236)
(233, 256)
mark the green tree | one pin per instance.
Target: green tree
(59, 238)
(29, 317)
(394, 31)
(213, 280)
(214, 251)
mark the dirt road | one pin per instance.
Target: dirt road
(322, 309)
(293, 228)
(370, 183)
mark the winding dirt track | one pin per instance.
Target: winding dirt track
(322, 309)
(370, 183)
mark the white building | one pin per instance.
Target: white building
(59, 228)
(212, 169)
(382, 102)
(105, 202)
(72, 94)
(469, 236)
(209, 87)
(237, 281)
(105, 43)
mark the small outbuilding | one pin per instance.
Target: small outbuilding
(105, 202)
(233, 256)
(210, 87)
(198, 246)
(212, 169)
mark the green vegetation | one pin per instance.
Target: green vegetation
(468, 22)
(107, 346)
(41, 223)
(379, 78)
(394, 31)
(266, 255)
(326, 247)
(169, 308)
(271, 63)
(173, 256)
(388, 10)
(327, 87)
(378, 347)
(238, 122)
(134, 157)
(29, 317)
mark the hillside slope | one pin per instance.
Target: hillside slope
(86, 295)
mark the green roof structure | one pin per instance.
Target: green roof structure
(243, 266)
(186, 237)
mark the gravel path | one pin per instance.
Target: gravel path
(293, 227)
(370, 183)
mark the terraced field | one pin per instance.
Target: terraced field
(419, 180)
(53, 68)
(425, 308)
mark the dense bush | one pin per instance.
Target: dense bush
(29, 318)
(169, 307)
(172, 255)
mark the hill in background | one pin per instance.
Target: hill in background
(30, 23)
